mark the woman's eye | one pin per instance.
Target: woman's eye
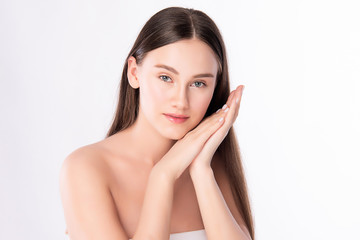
(164, 78)
(200, 84)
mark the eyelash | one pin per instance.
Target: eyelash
(204, 84)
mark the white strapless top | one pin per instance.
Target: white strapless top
(192, 235)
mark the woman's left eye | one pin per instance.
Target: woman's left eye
(203, 84)
(164, 78)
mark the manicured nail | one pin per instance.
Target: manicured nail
(218, 110)
(227, 109)
(225, 106)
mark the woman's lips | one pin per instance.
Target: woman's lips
(176, 118)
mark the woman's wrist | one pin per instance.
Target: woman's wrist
(161, 171)
(200, 171)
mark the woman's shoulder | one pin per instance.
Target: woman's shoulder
(88, 159)
(83, 176)
(88, 153)
(101, 158)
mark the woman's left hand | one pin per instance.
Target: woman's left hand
(203, 159)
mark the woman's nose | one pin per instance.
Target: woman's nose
(180, 98)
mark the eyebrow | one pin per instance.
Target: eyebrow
(171, 69)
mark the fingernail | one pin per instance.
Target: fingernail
(221, 119)
(227, 109)
(218, 110)
(237, 100)
(225, 106)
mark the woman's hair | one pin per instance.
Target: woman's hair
(168, 26)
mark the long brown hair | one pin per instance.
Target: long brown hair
(168, 26)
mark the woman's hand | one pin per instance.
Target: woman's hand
(205, 156)
(187, 149)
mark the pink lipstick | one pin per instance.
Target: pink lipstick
(176, 118)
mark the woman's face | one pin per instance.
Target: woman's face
(177, 79)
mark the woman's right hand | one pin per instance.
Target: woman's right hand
(184, 151)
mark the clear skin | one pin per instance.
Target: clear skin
(170, 149)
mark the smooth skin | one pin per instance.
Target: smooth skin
(174, 152)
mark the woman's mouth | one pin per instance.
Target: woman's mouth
(176, 118)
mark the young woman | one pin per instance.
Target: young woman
(170, 165)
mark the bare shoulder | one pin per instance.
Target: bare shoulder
(89, 209)
(85, 159)
(83, 163)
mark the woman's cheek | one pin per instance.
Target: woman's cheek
(151, 91)
(159, 93)
(206, 101)
(202, 103)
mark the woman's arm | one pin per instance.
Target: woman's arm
(154, 223)
(89, 209)
(218, 219)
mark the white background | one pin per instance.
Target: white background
(298, 125)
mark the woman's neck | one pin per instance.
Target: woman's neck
(149, 144)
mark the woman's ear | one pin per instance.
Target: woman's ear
(132, 73)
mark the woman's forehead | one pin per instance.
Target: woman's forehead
(183, 55)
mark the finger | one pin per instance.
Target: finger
(220, 113)
(227, 104)
(231, 116)
(218, 136)
(207, 127)
(231, 96)
(238, 99)
(213, 123)
(209, 119)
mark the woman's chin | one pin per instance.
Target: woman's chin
(175, 135)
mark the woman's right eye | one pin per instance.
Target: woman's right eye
(164, 78)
